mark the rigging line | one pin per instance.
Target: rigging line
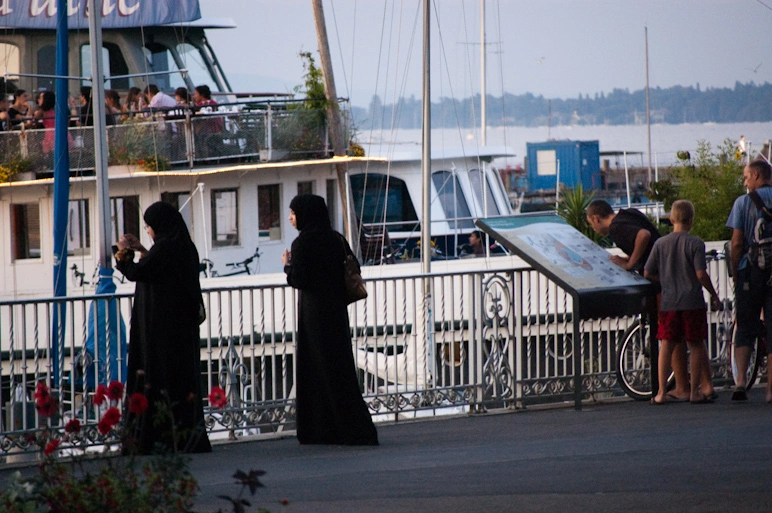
(340, 47)
(501, 71)
(765, 5)
(450, 86)
(372, 109)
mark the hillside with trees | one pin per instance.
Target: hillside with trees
(743, 103)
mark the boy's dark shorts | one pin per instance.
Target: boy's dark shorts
(679, 325)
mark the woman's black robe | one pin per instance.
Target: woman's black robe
(164, 351)
(330, 408)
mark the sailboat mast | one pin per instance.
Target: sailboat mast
(100, 139)
(426, 154)
(483, 93)
(648, 119)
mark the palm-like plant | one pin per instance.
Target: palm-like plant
(572, 207)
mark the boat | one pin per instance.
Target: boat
(231, 171)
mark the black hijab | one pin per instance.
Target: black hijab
(167, 223)
(310, 213)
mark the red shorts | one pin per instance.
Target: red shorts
(690, 325)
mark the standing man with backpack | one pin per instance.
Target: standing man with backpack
(752, 272)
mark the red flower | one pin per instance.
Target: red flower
(51, 447)
(217, 398)
(137, 403)
(115, 390)
(100, 395)
(47, 407)
(72, 426)
(112, 416)
(104, 427)
(42, 392)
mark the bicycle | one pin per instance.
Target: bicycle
(633, 359)
(207, 266)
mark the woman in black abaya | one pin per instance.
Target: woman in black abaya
(330, 408)
(164, 358)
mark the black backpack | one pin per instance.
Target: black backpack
(760, 251)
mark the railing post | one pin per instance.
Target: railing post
(189, 148)
(268, 133)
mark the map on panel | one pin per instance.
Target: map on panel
(561, 250)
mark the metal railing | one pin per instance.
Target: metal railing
(181, 137)
(479, 340)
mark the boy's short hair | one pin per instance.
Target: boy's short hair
(599, 208)
(682, 212)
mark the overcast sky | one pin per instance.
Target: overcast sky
(554, 48)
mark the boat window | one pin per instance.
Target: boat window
(225, 217)
(452, 199)
(113, 64)
(332, 201)
(269, 212)
(78, 234)
(381, 198)
(478, 185)
(124, 216)
(46, 66)
(306, 187)
(159, 58)
(9, 61)
(25, 219)
(195, 61)
(178, 199)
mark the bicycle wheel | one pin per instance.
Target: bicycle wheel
(753, 364)
(634, 363)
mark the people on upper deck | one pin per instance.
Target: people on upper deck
(20, 108)
(4, 119)
(112, 106)
(476, 241)
(86, 117)
(157, 99)
(182, 95)
(135, 102)
(45, 114)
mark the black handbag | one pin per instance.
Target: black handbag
(354, 285)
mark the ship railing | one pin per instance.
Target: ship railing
(179, 138)
(423, 345)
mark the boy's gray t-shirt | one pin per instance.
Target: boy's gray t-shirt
(676, 258)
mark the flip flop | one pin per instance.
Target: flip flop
(704, 400)
(739, 394)
(675, 399)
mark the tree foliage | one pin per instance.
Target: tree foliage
(711, 180)
(572, 207)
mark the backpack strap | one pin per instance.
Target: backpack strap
(756, 199)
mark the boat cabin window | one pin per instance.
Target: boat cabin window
(78, 234)
(269, 211)
(306, 187)
(481, 187)
(178, 199)
(452, 199)
(124, 216)
(25, 219)
(380, 198)
(159, 59)
(46, 66)
(113, 64)
(9, 60)
(331, 187)
(225, 217)
(195, 61)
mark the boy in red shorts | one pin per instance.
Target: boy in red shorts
(677, 261)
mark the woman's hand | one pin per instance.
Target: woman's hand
(129, 241)
(286, 257)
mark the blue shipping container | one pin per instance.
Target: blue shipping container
(579, 163)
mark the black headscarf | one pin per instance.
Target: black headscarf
(310, 212)
(167, 223)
